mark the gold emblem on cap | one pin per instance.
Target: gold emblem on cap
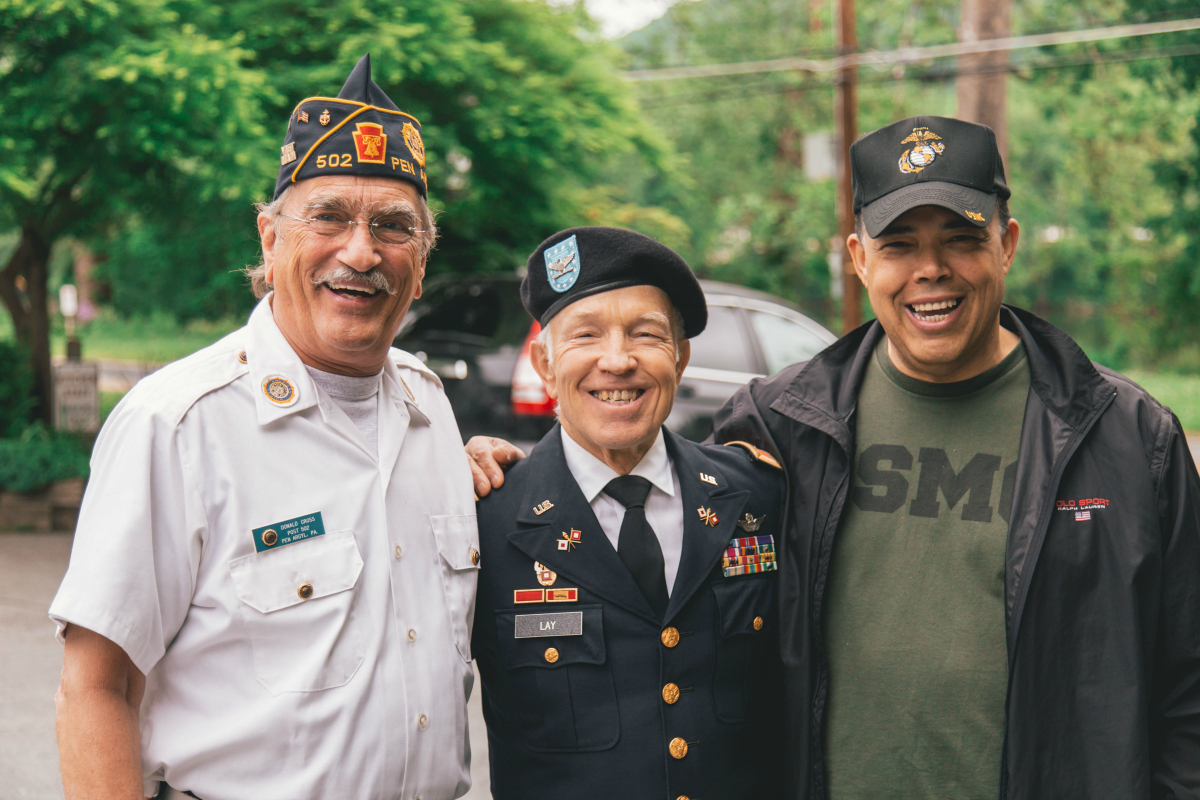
(545, 576)
(412, 138)
(926, 147)
(279, 390)
(973, 215)
(324, 118)
(287, 153)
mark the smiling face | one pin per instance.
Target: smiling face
(614, 371)
(339, 300)
(936, 283)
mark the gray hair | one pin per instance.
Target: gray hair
(546, 339)
(273, 209)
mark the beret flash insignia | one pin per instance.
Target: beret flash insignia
(412, 138)
(562, 264)
(926, 147)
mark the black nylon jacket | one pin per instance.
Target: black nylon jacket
(1102, 615)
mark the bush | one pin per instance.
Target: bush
(40, 457)
(16, 389)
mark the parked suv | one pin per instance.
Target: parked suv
(474, 333)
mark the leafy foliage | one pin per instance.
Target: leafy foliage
(38, 458)
(16, 384)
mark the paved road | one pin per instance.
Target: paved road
(31, 567)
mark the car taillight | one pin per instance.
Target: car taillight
(529, 397)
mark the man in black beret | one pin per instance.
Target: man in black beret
(625, 620)
(273, 578)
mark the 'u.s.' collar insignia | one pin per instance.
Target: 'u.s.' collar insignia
(371, 142)
(302, 116)
(751, 523)
(324, 118)
(562, 264)
(412, 138)
(280, 391)
(569, 540)
(707, 516)
(708, 479)
(926, 147)
(287, 153)
(543, 507)
(545, 576)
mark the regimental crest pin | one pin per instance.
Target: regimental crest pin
(562, 264)
(708, 517)
(545, 577)
(543, 507)
(324, 118)
(569, 540)
(926, 146)
(287, 154)
(751, 523)
(280, 391)
(371, 142)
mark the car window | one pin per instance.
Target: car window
(783, 341)
(473, 312)
(722, 345)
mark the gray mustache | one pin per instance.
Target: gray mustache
(372, 277)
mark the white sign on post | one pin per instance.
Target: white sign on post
(76, 397)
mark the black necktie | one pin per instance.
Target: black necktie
(637, 544)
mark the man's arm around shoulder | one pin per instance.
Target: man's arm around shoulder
(96, 717)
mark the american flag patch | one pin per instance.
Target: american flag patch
(749, 555)
(1083, 516)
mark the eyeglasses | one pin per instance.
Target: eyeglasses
(388, 229)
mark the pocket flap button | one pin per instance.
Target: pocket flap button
(551, 655)
(305, 591)
(475, 557)
(758, 623)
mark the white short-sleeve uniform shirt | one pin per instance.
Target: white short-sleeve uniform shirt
(354, 687)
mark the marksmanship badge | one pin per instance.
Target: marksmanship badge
(371, 142)
(412, 138)
(926, 147)
(562, 264)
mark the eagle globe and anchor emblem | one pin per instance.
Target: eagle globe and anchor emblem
(926, 147)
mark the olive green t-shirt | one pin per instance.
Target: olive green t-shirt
(914, 614)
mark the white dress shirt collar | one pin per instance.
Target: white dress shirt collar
(593, 475)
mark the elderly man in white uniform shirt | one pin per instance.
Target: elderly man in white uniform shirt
(271, 588)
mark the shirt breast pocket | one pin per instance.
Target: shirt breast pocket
(745, 619)
(562, 698)
(458, 544)
(298, 606)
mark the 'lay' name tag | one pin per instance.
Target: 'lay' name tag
(290, 531)
(566, 623)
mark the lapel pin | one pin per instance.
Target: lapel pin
(303, 116)
(708, 479)
(543, 507)
(707, 516)
(569, 540)
(750, 523)
(545, 576)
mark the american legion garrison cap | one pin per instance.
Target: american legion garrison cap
(580, 262)
(923, 161)
(359, 132)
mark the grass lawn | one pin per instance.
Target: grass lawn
(1180, 392)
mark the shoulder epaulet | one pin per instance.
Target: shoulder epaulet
(404, 359)
(760, 455)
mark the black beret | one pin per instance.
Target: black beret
(579, 262)
(359, 132)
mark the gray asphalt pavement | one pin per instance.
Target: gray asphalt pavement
(31, 567)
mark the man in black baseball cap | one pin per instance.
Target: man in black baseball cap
(990, 567)
(625, 621)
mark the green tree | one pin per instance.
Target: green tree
(111, 108)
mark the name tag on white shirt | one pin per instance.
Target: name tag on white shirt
(290, 531)
(565, 623)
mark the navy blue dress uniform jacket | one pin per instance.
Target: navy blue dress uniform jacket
(606, 714)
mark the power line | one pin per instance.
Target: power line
(910, 55)
(768, 87)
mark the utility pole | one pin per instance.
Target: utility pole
(982, 76)
(846, 111)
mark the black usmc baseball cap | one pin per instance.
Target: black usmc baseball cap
(927, 161)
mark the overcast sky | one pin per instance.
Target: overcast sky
(619, 17)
